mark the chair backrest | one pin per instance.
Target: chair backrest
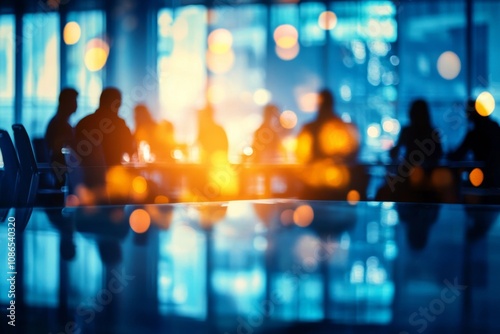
(10, 175)
(29, 171)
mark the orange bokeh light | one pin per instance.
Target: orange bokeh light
(303, 215)
(139, 221)
(476, 177)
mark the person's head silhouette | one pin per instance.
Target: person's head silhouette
(419, 114)
(110, 100)
(67, 102)
(326, 103)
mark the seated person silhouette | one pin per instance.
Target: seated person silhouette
(482, 142)
(60, 133)
(159, 136)
(417, 153)
(216, 181)
(267, 141)
(102, 139)
(212, 138)
(328, 145)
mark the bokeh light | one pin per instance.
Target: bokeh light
(220, 41)
(327, 20)
(286, 217)
(286, 36)
(139, 221)
(303, 215)
(288, 119)
(71, 33)
(308, 102)
(216, 94)
(139, 185)
(449, 65)
(476, 177)
(353, 197)
(485, 104)
(261, 97)
(373, 131)
(288, 54)
(220, 63)
(96, 54)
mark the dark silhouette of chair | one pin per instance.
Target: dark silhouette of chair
(9, 177)
(29, 191)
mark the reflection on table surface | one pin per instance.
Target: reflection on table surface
(274, 266)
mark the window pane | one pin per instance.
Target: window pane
(7, 60)
(40, 70)
(84, 37)
(181, 67)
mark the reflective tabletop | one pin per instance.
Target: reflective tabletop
(271, 266)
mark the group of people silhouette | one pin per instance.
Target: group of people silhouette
(328, 145)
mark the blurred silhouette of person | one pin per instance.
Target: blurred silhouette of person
(419, 136)
(482, 142)
(267, 141)
(328, 136)
(212, 138)
(158, 135)
(417, 153)
(328, 145)
(59, 132)
(104, 128)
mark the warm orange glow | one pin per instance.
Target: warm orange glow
(161, 199)
(72, 200)
(336, 176)
(441, 178)
(417, 176)
(71, 33)
(139, 221)
(220, 63)
(485, 104)
(308, 102)
(118, 182)
(304, 145)
(220, 41)
(286, 217)
(327, 20)
(476, 177)
(288, 54)
(140, 185)
(449, 65)
(353, 197)
(288, 119)
(303, 216)
(338, 139)
(85, 195)
(286, 36)
(327, 174)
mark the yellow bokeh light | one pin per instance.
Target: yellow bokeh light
(476, 177)
(220, 63)
(96, 54)
(139, 221)
(288, 54)
(304, 144)
(327, 20)
(485, 104)
(71, 33)
(449, 65)
(261, 97)
(303, 215)
(140, 185)
(288, 119)
(353, 197)
(220, 41)
(338, 139)
(286, 36)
